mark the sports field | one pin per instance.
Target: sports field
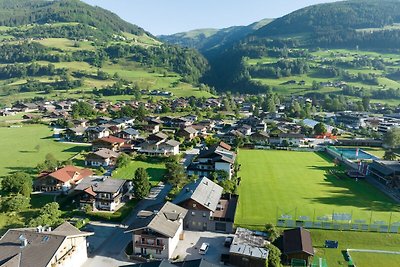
(275, 183)
(356, 240)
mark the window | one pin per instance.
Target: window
(158, 251)
(193, 213)
(204, 214)
(194, 205)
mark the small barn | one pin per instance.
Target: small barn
(297, 244)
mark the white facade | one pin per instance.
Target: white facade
(160, 247)
(73, 252)
(224, 166)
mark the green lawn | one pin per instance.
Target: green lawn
(362, 259)
(356, 240)
(155, 170)
(23, 148)
(296, 183)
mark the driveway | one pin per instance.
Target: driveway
(188, 249)
(189, 156)
(109, 241)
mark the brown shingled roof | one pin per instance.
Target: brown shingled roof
(112, 139)
(297, 240)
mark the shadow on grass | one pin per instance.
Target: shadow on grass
(28, 170)
(156, 174)
(75, 149)
(360, 194)
(28, 151)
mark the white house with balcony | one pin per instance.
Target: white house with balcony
(157, 230)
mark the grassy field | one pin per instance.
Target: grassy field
(23, 148)
(296, 183)
(357, 240)
(362, 259)
(155, 170)
(66, 44)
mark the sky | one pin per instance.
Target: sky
(172, 16)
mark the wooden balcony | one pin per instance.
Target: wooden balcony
(150, 246)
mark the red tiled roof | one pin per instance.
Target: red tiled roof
(90, 191)
(112, 139)
(225, 146)
(67, 174)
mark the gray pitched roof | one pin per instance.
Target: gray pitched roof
(106, 153)
(100, 184)
(131, 131)
(40, 247)
(163, 218)
(203, 191)
(172, 143)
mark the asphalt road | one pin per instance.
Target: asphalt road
(110, 252)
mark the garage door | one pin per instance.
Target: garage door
(220, 227)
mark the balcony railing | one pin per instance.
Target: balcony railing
(151, 246)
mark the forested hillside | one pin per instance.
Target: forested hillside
(363, 23)
(22, 12)
(65, 48)
(286, 47)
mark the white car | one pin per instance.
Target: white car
(203, 249)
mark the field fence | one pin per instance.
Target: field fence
(343, 221)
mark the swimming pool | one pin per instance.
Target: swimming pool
(351, 153)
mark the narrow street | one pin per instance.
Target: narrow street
(109, 248)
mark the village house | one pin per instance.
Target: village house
(75, 133)
(288, 139)
(111, 142)
(213, 159)
(103, 157)
(62, 179)
(159, 148)
(157, 230)
(102, 192)
(96, 132)
(260, 138)
(152, 126)
(129, 134)
(26, 247)
(25, 107)
(188, 133)
(248, 249)
(208, 209)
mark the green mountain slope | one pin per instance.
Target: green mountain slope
(209, 40)
(316, 50)
(63, 49)
(22, 12)
(366, 23)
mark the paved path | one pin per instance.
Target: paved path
(110, 252)
(189, 156)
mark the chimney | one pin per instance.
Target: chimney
(23, 241)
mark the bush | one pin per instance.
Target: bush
(15, 203)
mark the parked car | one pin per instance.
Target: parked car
(203, 249)
(228, 241)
